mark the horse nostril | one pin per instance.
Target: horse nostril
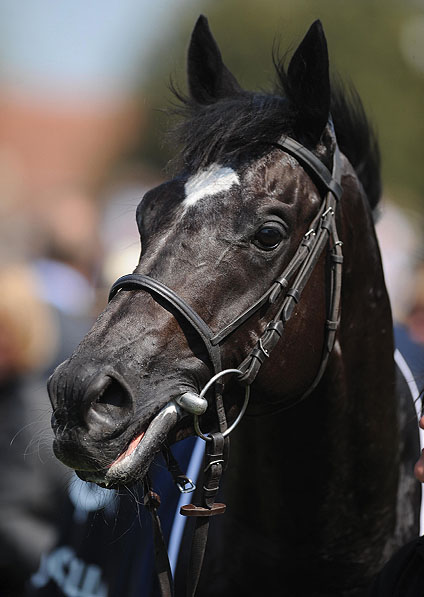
(114, 395)
(110, 405)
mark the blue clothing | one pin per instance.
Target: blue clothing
(106, 548)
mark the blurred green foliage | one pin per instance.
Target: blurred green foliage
(365, 44)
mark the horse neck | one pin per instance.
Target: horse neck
(335, 454)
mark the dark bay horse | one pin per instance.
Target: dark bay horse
(319, 488)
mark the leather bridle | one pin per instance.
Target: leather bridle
(285, 292)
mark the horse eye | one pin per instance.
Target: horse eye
(269, 236)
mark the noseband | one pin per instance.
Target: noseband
(285, 292)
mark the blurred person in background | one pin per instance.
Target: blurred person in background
(47, 305)
(401, 243)
(32, 481)
(409, 332)
(69, 253)
(65, 262)
(415, 319)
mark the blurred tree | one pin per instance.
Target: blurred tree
(367, 44)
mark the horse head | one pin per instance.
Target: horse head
(215, 239)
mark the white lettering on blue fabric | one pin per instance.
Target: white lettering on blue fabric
(74, 577)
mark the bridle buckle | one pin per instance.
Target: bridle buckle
(185, 485)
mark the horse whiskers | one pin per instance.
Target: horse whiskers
(24, 428)
(41, 442)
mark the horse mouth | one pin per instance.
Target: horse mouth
(133, 463)
(131, 447)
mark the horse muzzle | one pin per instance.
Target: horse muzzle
(97, 430)
(133, 464)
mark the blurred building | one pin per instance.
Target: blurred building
(70, 101)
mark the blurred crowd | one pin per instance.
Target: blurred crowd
(58, 257)
(67, 230)
(63, 240)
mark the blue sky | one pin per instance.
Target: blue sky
(95, 47)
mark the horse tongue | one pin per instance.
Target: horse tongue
(132, 446)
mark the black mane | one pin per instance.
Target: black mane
(223, 130)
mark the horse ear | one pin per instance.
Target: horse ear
(308, 83)
(208, 77)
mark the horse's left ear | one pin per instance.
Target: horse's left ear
(208, 78)
(308, 83)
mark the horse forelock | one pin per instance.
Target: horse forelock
(230, 129)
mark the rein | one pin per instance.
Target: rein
(287, 290)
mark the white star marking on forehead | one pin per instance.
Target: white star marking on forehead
(211, 181)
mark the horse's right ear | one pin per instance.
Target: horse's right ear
(208, 78)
